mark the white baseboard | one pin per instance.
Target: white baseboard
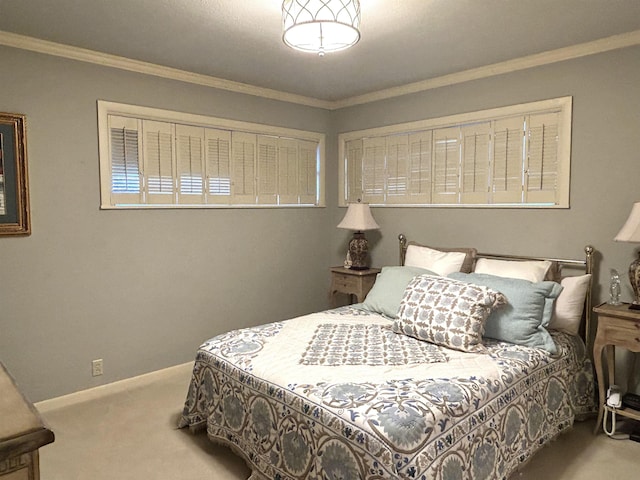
(110, 388)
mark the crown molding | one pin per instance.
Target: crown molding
(545, 58)
(614, 42)
(91, 56)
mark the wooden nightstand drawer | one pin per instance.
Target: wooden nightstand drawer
(621, 331)
(345, 283)
(623, 325)
(624, 338)
(352, 282)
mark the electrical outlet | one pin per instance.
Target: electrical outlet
(96, 367)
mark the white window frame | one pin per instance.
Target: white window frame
(176, 122)
(387, 190)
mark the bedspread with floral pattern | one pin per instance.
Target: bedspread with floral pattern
(300, 403)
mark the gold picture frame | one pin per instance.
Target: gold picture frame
(15, 216)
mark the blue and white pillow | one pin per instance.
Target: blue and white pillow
(446, 312)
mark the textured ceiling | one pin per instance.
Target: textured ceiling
(402, 42)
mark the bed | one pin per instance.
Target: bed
(458, 365)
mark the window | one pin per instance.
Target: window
(517, 156)
(158, 158)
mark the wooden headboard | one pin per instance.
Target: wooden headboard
(555, 274)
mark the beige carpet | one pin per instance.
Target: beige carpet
(128, 431)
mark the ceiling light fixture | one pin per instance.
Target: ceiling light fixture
(321, 26)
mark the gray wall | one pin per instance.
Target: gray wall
(605, 164)
(605, 167)
(142, 289)
(139, 289)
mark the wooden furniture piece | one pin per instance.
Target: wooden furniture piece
(352, 282)
(617, 326)
(22, 432)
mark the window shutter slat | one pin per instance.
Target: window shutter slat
(475, 163)
(218, 166)
(397, 169)
(267, 170)
(190, 164)
(420, 146)
(508, 160)
(354, 155)
(542, 159)
(124, 148)
(373, 170)
(159, 162)
(288, 171)
(244, 171)
(446, 165)
(307, 172)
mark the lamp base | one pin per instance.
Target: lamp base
(634, 279)
(358, 251)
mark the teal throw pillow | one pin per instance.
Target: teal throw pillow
(387, 292)
(528, 311)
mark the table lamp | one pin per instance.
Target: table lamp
(630, 232)
(358, 218)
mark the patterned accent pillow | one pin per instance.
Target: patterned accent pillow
(446, 312)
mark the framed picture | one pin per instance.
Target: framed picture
(14, 183)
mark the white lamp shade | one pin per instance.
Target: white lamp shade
(630, 232)
(359, 218)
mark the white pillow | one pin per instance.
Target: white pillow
(534, 271)
(442, 263)
(567, 313)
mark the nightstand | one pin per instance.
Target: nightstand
(617, 326)
(352, 282)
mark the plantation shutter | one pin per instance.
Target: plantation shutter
(267, 170)
(446, 165)
(508, 160)
(373, 170)
(515, 156)
(397, 169)
(159, 162)
(244, 167)
(420, 145)
(164, 159)
(541, 173)
(190, 164)
(288, 180)
(353, 157)
(475, 163)
(308, 172)
(218, 166)
(124, 151)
